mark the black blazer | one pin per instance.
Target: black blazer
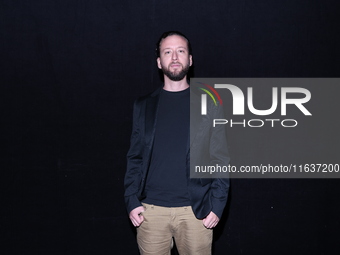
(206, 194)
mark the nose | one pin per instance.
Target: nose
(174, 55)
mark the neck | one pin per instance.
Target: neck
(170, 85)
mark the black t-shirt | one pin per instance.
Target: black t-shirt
(166, 183)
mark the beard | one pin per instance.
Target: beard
(176, 75)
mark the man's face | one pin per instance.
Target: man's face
(174, 58)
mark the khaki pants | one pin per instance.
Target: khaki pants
(162, 224)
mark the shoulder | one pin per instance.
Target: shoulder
(146, 97)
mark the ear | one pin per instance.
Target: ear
(159, 63)
(190, 60)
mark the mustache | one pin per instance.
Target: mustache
(175, 63)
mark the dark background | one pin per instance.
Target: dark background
(70, 71)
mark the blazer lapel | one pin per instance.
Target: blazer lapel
(151, 116)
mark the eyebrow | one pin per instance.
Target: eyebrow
(183, 47)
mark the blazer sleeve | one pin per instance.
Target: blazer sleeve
(133, 175)
(219, 155)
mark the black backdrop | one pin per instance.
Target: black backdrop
(70, 71)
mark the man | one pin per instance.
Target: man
(163, 202)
